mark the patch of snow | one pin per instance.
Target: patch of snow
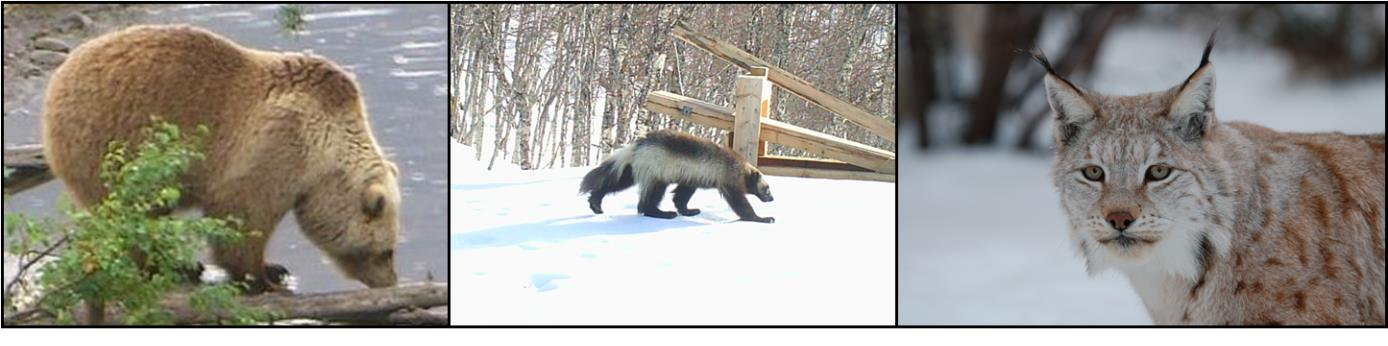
(982, 242)
(527, 251)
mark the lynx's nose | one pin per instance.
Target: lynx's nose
(1119, 220)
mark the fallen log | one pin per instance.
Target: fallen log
(437, 316)
(369, 306)
(412, 304)
(30, 168)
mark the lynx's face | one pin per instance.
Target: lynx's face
(1130, 189)
(1135, 181)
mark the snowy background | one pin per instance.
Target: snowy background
(982, 237)
(527, 251)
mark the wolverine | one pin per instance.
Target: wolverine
(670, 157)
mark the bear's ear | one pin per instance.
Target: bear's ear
(1192, 111)
(374, 201)
(1072, 109)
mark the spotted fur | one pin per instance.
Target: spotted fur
(1251, 226)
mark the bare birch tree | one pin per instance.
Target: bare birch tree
(560, 85)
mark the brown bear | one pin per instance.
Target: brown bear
(287, 132)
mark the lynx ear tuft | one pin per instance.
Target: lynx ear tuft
(1192, 112)
(1071, 107)
(1209, 46)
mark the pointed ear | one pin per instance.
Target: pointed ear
(1072, 109)
(1192, 111)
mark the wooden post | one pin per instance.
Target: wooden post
(753, 102)
(790, 82)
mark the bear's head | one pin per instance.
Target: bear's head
(356, 220)
(350, 209)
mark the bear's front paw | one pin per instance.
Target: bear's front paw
(689, 212)
(275, 274)
(193, 273)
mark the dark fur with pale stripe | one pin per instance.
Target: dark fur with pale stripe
(669, 157)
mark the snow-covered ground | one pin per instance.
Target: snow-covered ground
(983, 242)
(526, 250)
(982, 237)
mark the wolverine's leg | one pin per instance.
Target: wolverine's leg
(682, 195)
(595, 201)
(651, 194)
(738, 201)
(624, 181)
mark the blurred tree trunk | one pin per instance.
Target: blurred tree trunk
(1080, 55)
(1010, 27)
(919, 87)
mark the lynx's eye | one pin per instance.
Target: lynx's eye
(1158, 172)
(1094, 173)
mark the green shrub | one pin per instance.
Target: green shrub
(291, 20)
(128, 251)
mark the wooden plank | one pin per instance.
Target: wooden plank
(701, 119)
(801, 162)
(732, 54)
(820, 144)
(826, 174)
(30, 168)
(700, 112)
(752, 97)
(776, 131)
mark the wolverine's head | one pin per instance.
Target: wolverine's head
(1135, 181)
(756, 185)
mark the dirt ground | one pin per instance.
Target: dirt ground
(37, 40)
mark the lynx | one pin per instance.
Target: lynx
(1220, 223)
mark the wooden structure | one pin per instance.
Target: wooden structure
(845, 159)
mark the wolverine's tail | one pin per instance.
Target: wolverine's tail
(613, 175)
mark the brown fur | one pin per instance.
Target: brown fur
(288, 132)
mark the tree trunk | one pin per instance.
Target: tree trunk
(1010, 27)
(1079, 58)
(919, 91)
